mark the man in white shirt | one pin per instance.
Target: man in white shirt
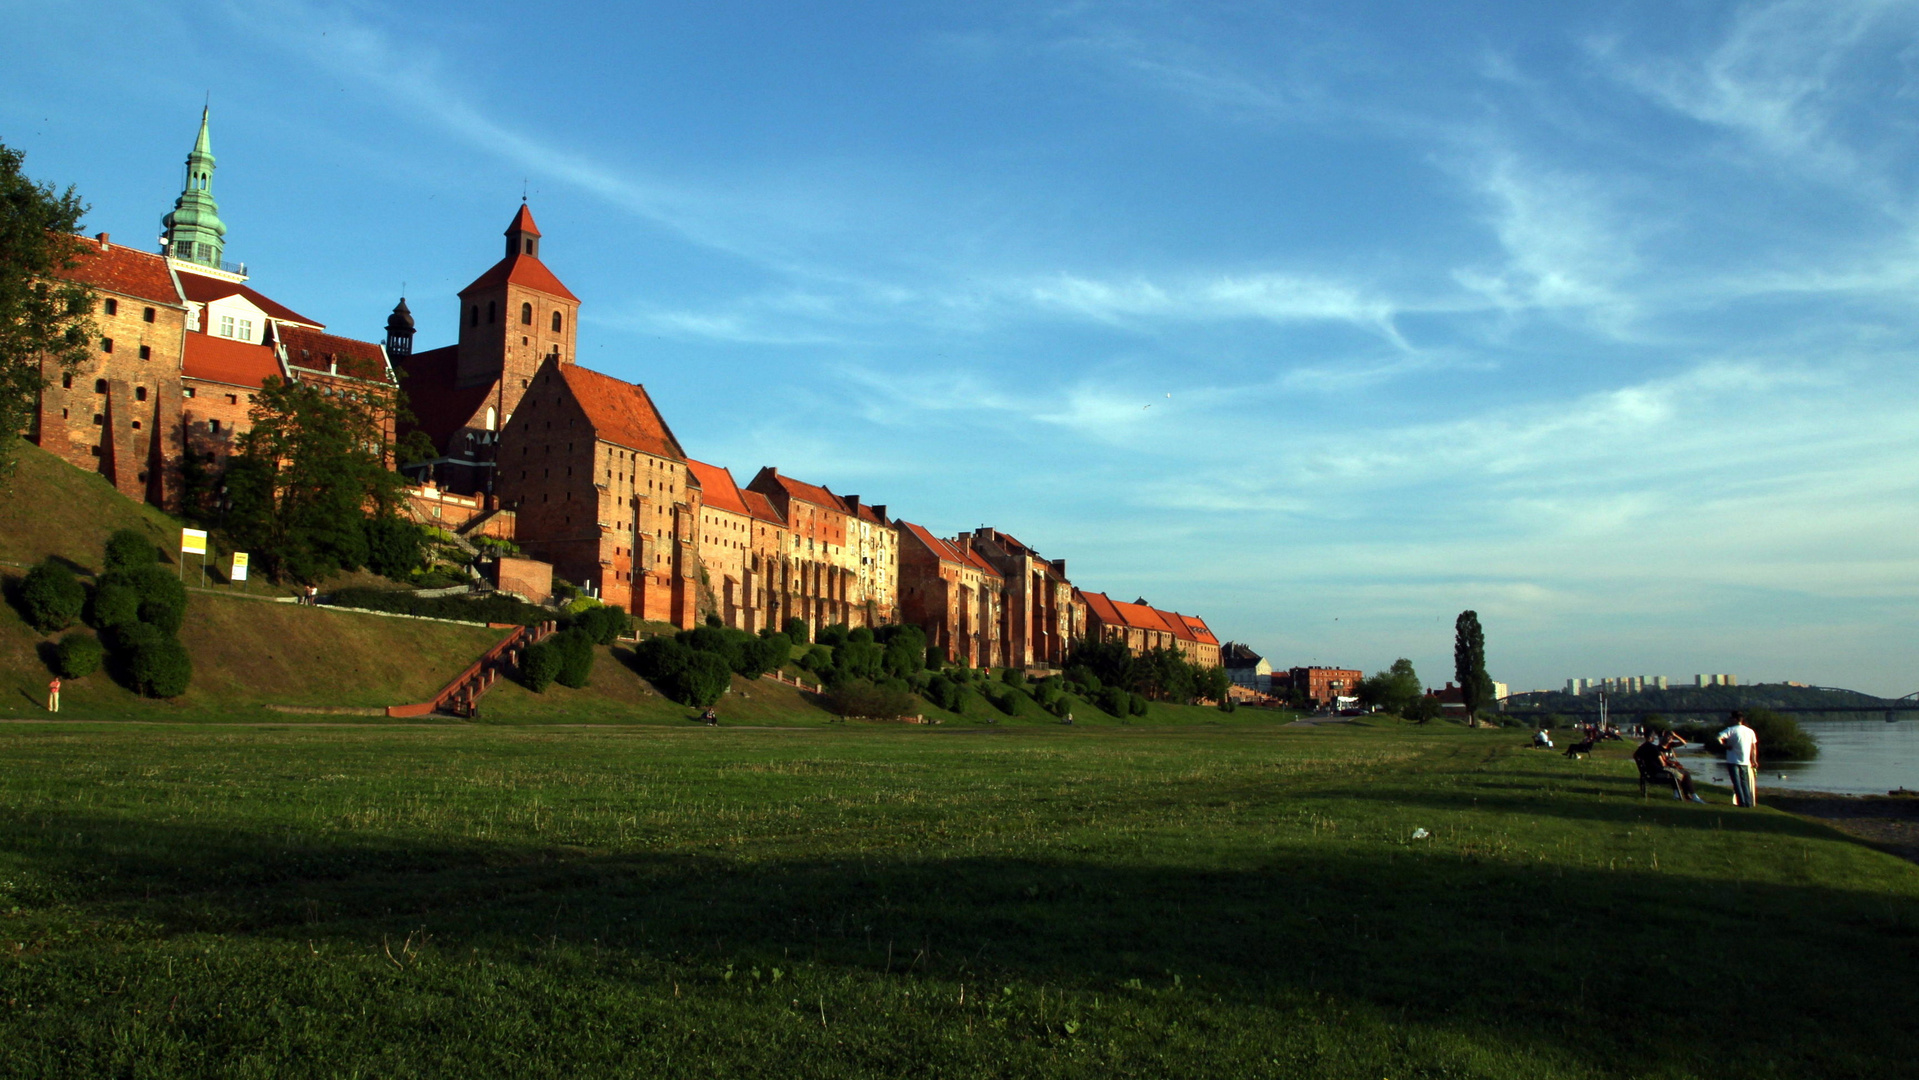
(1742, 760)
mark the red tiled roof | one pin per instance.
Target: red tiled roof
(524, 270)
(313, 349)
(225, 360)
(439, 405)
(805, 492)
(124, 270)
(946, 550)
(1102, 608)
(205, 290)
(523, 222)
(621, 412)
(761, 507)
(717, 487)
(867, 513)
(1201, 631)
(1177, 624)
(1142, 617)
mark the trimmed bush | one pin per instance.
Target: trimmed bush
(116, 601)
(605, 624)
(860, 660)
(935, 658)
(488, 609)
(1013, 677)
(79, 655)
(943, 692)
(161, 668)
(576, 658)
(797, 630)
(763, 654)
(1005, 698)
(540, 665)
(1136, 704)
(129, 549)
(163, 599)
(394, 548)
(1114, 700)
(833, 634)
(863, 635)
(1227, 704)
(51, 598)
(702, 681)
(859, 697)
(714, 622)
(816, 659)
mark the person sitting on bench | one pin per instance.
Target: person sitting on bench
(1656, 762)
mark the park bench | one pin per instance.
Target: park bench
(1655, 774)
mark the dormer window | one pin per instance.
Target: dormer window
(226, 326)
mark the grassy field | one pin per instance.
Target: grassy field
(963, 901)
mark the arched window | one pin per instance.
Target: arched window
(556, 322)
(490, 417)
(526, 314)
(473, 315)
(491, 311)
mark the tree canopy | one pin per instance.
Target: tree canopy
(1469, 663)
(44, 319)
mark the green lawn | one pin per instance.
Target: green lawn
(959, 901)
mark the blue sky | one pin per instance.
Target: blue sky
(1322, 320)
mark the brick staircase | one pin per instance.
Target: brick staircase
(461, 697)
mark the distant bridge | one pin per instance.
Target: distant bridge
(1891, 708)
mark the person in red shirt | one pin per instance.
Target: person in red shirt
(53, 695)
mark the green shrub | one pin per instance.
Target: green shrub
(860, 660)
(943, 692)
(833, 634)
(1136, 704)
(701, 682)
(1061, 707)
(660, 659)
(576, 658)
(714, 621)
(797, 630)
(1013, 677)
(1780, 737)
(161, 668)
(859, 697)
(605, 623)
(129, 549)
(116, 601)
(394, 548)
(935, 658)
(763, 654)
(540, 665)
(79, 655)
(51, 598)
(817, 659)
(1227, 704)
(1005, 699)
(1113, 700)
(163, 598)
(726, 644)
(863, 635)
(487, 609)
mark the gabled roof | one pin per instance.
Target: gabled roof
(868, 514)
(1201, 632)
(521, 269)
(620, 412)
(314, 349)
(205, 290)
(1239, 654)
(805, 492)
(947, 551)
(1142, 617)
(1101, 607)
(717, 488)
(761, 507)
(123, 270)
(440, 406)
(218, 359)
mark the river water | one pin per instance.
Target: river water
(1856, 757)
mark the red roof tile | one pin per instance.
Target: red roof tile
(1199, 628)
(124, 270)
(1177, 624)
(1142, 617)
(225, 360)
(524, 270)
(1102, 608)
(313, 349)
(439, 405)
(205, 290)
(947, 551)
(761, 507)
(621, 412)
(812, 493)
(717, 488)
(523, 222)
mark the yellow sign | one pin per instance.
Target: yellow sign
(239, 566)
(193, 542)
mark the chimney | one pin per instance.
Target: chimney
(103, 241)
(880, 512)
(1059, 567)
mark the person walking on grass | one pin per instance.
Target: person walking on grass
(53, 695)
(1742, 760)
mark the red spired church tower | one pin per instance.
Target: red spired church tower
(513, 318)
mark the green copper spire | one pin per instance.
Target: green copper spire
(195, 232)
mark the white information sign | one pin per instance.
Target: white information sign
(193, 542)
(239, 566)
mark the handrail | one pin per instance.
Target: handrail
(466, 689)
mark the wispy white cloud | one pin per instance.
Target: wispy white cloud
(1565, 245)
(1276, 298)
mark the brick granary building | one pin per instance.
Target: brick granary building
(579, 468)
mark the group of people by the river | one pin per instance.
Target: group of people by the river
(1656, 756)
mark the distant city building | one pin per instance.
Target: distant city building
(1320, 685)
(1246, 667)
(1619, 684)
(1715, 680)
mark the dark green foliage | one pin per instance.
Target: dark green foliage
(861, 697)
(163, 598)
(862, 635)
(1013, 677)
(127, 638)
(660, 658)
(1160, 674)
(728, 645)
(944, 692)
(1227, 704)
(51, 598)
(1393, 690)
(935, 658)
(1780, 736)
(1469, 663)
(605, 624)
(1214, 684)
(905, 650)
(1136, 704)
(487, 609)
(860, 660)
(1423, 709)
(1107, 661)
(160, 667)
(129, 549)
(44, 316)
(115, 602)
(1115, 701)
(763, 654)
(702, 681)
(1081, 680)
(796, 629)
(540, 665)
(394, 548)
(714, 621)
(1004, 698)
(79, 655)
(575, 647)
(816, 659)
(833, 634)
(306, 476)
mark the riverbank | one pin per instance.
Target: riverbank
(1889, 823)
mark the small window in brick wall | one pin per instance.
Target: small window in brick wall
(100, 419)
(190, 392)
(96, 451)
(113, 306)
(213, 426)
(99, 386)
(146, 353)
(66, 382)
(106, 344)
(139, 393)
(148, 315)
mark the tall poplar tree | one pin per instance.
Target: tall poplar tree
(1469, 664)
(42, 317)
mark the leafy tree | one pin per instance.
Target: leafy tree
(944, 692)
(714, 621)
(79, 655)
(1108, 662)
(160, 667)
(394, 548)
(606, 623)
(726, 644)
(575, 647)
(129, 549)
(51, 598)
(817, 659)
(1780, 737)
(306, 476)
(46, 323)
(796, 629)
(1115, 701)
(1424, 709)
(702, 681)
(860, 660)
(861, 697)
(1469, 664)
(116, 601)
(540, 665)
(1393, 690)
(764, 654)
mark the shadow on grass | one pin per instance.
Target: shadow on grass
(1593, 964)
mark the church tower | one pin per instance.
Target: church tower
(399, 332)
(515, 317)
(194, 231)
